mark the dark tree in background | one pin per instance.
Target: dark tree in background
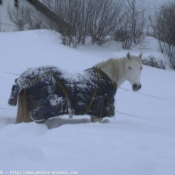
(104, 17)
(25, 17)
(19, 16)
(87, 18)
(131, 30)
(96, 19)
(163, 25)
(136, 18)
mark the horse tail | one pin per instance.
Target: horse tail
(23, 113)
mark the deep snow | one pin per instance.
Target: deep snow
(138, 141)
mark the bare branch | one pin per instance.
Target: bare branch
(164, 29)
(19, 16)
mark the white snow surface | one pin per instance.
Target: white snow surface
(139, 140)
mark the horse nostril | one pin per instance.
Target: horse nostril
(136, 87)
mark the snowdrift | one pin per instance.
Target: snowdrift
(139, 140)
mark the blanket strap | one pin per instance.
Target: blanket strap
(34, 80)
(70, 111)
(108, 105)
(105, 100)
(94, 93)
(106, 76)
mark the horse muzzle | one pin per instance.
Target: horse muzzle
(136, 87)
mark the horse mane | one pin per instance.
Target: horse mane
(114, 68)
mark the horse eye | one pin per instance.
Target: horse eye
(129, 67)
(140, 68)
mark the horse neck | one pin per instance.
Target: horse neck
(115, 69)
(121, 71)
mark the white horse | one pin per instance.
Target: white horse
(118, 70)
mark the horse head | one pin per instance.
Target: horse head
(133, 70)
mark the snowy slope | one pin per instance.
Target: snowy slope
(138, 141)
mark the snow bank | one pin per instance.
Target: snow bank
(139, 141)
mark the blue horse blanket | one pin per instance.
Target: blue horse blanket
(52, 92)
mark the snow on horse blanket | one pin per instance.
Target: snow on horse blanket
(51, 92)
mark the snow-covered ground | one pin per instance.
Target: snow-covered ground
(138, 141)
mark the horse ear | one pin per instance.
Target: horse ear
(140, 56)
(128, 55)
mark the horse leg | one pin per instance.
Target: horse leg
(95, 119)
(23, 114)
